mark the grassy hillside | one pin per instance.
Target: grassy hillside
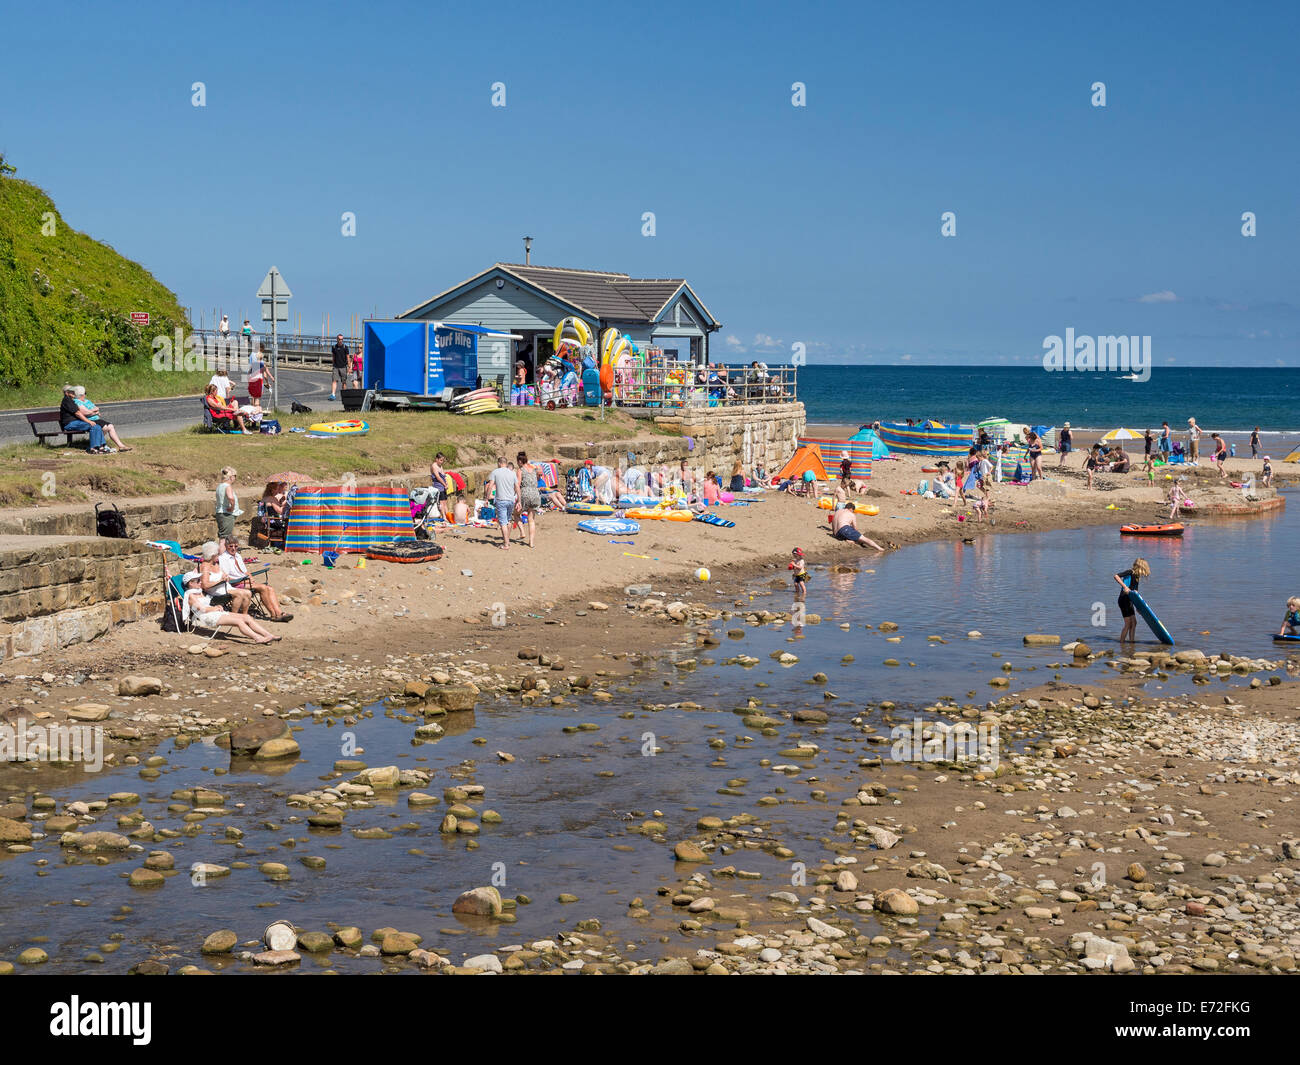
(65, 308)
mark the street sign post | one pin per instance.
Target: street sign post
(274, 293)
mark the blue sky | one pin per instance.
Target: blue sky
(818, 224)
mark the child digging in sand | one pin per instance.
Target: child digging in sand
(800, 575)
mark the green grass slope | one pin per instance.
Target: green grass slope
(65, 308)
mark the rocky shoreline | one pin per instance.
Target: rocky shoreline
(1118, 832)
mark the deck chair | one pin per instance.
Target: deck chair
(211, 424)
(258, 609)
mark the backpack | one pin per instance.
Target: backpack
(110, 522)
(172, 614)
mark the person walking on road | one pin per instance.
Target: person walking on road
(342, 364)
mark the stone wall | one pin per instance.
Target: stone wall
(62, 584)
(762, 434)
(187, 521)
(70, 591)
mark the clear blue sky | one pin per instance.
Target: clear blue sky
(818, 224)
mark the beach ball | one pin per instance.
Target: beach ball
(702, 574)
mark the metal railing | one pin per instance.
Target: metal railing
(671, 386)
(231, 351)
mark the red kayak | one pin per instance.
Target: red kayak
(1174, 529)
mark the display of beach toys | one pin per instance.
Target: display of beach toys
(344, 428)
(926, 438)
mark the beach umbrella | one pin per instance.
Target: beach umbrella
(990, 423)
(1122, 434)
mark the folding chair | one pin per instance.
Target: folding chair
(210, 424)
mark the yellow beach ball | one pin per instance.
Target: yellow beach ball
(702, 574)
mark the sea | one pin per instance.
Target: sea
(1221, 398)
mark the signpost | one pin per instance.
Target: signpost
(274, 294)
(140, 317)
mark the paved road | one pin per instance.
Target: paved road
(149, 417)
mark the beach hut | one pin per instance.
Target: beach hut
(804, 458)
(927, 438)
(347, 518)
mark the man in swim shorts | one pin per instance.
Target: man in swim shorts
(844, 524)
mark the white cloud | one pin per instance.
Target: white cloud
(734, 343)
(763, 340)
(1164, 296)
(905, 358)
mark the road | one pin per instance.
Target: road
(149, 417)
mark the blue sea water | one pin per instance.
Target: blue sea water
(1219, 398)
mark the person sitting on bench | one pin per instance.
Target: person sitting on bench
(72, 421)
(91, 413)
(236, 569)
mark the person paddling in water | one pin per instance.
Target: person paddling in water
(1139, 570)
(800, 574)
(1291, 619)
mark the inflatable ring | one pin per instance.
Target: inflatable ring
(407, 550)
(574, 330)
(348, 428)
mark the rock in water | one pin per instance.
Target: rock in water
(280, 936)
(479, 902)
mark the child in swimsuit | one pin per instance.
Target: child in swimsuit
(800, 574)
(1291, 619)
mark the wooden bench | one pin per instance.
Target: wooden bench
(53, 419)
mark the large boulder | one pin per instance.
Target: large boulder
(137, 685)
(479, 902)
(12, 831)
(247, 738)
